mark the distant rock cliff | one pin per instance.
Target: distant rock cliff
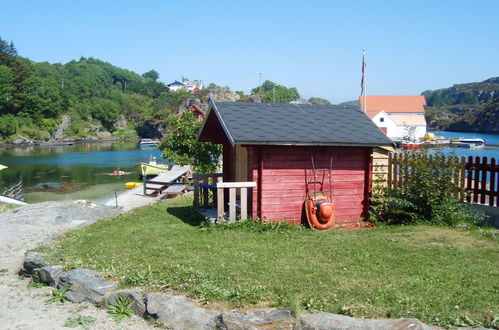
(471, 107)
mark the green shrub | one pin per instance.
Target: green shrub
(426, 195)
(8, 125)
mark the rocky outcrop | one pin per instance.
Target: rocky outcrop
(33, 261)
(62, 127)
(176, 312)
(84, 285)
(261, 319)
(136, 298)
(50, 274)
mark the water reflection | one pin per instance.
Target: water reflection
(88, 167)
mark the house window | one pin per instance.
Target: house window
(382, 120)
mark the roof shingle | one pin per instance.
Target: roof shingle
(297, 124)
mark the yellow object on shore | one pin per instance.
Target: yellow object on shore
(429, 137)
(131, 185)
(2, 167)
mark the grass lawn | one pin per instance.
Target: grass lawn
(439, 275)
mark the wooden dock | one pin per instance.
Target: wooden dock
(156, 188)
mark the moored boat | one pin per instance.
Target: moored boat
(144, 143)
(151, 168)
(469, 143)
(412, 145)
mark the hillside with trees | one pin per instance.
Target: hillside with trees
(90, 99)
(471, 107)
(93, 98)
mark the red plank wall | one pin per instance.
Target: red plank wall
(286, 169)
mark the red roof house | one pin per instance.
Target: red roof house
(399, 117)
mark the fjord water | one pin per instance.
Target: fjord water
(85, 169)
(491, 149)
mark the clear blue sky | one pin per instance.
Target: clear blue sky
(315, 46)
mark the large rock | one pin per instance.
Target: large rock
(85, 285)
(137, 301)
(32, 262)
(328, 321)
(262, 319)
(50, 274)
(176, 312)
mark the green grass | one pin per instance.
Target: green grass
(440, 275)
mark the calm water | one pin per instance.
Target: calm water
(85, 167)
(490, 150)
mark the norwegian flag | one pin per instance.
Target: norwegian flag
(362, 81)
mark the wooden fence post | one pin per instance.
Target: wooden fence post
(494, 191)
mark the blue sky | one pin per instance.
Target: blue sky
(315, 46)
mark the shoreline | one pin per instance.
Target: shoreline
(66, 142)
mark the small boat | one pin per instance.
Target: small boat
(145, 143)
(469, 143)
(151, 168)
(412, 145)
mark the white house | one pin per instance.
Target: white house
(175, 85)
(399, 117)
(192, 86)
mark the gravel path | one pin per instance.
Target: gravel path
(26, 227)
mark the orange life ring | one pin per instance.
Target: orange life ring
(320, 211)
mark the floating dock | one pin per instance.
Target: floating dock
(156, 189)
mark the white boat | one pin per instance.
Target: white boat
(469, 143)
(148, 143)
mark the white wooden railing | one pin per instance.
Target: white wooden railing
(243, 200)
(209, 192)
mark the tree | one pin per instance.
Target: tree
(151, 74)
(318, 100)
(272, 92)
(40, 98)
(7, 125)
(7, 89)
(181, 145)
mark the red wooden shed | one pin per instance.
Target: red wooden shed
(274, 144)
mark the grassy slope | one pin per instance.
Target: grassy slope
(438, 275)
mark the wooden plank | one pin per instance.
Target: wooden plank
(244, 203)
(220, 204)
(469, 179)
(483, 180)
(390, 169)
(476, 179)
(175, 188)
(236, 184)
(493, 188)
(232, 204)
(205, 192)
(395, 171)
(462, 179)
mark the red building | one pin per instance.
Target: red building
(278, 145)
(197, 111)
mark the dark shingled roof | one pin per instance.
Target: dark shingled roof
(297, 124)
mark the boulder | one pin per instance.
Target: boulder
(176, 312)
(32, 262)
(137, 303)
(328, 321)
(261, 319)
(84, 285)
(50, 274)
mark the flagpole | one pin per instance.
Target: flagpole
(365, 91)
